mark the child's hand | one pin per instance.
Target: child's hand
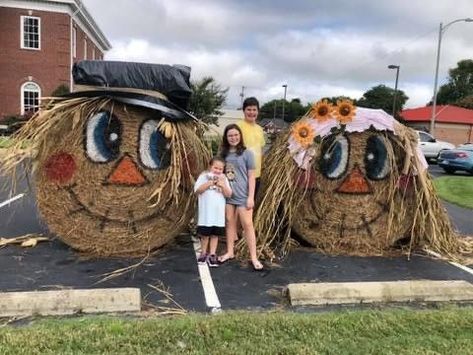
(250, 203)
(221, 182)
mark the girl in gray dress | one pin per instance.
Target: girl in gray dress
(240, 172)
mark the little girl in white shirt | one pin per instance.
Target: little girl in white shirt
(212, 188)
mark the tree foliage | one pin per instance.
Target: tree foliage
(382, 97)
(459, 85)
(207, 100)
(292, 109)
(466, 102)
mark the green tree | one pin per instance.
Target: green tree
(292, 109)
(459, 85)
(466, 102)
(382, 97)
(207, 100)
(61, 90)
(333, 100)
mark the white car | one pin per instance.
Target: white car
(432, 147)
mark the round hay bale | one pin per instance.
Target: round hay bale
(349, 180)
(113, 179)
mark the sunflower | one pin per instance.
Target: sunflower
(303, 133)
(344, 111)
(321, 110)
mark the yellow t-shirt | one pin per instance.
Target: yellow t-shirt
(253, 137)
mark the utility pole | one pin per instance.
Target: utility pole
(395, 87)
(242, 95)
(284, 100)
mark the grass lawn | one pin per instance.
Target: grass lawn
(446, 331)
(456, 189)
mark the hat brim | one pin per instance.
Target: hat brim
(170, 111)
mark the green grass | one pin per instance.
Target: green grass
(5, 142)
(445, 331)
(456, 189)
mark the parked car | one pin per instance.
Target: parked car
(431, 147)
(460, 158)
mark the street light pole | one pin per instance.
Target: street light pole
(284, 101)
(395, 86)
(442, 29)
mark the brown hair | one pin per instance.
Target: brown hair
(225, 147)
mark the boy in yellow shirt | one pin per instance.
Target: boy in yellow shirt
(253, 135)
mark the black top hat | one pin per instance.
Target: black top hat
(160, 87)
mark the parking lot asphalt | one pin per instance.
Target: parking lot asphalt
(53, 265)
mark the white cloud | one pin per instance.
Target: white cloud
(318, 48)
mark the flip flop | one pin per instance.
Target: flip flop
(224, 259)
(257, 269)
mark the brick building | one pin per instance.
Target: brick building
(452, 124)
(39, 42)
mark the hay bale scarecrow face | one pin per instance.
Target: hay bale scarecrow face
(114, 178)
(354, 181)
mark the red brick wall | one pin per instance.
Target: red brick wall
(49, 67)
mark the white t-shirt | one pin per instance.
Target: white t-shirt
(211, 211)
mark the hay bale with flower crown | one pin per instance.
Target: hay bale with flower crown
(350, 180)
(115, 166)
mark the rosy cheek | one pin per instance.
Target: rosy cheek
(60, 168)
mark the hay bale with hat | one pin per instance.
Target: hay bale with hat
(115, 161)
(350, 180)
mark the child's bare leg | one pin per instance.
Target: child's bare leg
(213, 245)
(230, 232)
(246, 218)
(204, 244)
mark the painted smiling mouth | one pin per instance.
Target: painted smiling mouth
(342, 226)
(104, 219)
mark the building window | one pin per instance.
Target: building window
(85, 49)
(30, 94)
(30, 32)
(74, 41)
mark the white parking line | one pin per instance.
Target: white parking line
(7, 202)
(460, 266)
(211, 298)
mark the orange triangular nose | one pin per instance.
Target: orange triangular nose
(126, 173)
(355, 183)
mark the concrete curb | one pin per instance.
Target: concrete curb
(102, 300)
(317, 294)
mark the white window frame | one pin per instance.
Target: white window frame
(22, 32)
(85, 48)
(74, 42)
(22, 90)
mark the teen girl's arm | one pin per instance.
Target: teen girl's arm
(225, 186)
(250, 202)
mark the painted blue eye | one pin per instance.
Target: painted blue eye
(334, 157)
(103, 137)
(376, 158)
(153, 147)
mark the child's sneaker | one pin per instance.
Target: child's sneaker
(202, 259)
(212, 261)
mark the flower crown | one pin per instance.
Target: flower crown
(325, 118)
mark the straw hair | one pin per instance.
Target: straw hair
(78, 198)
(401, 209)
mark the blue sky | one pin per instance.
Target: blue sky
(318, 48)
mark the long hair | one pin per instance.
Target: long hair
(225, 147)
